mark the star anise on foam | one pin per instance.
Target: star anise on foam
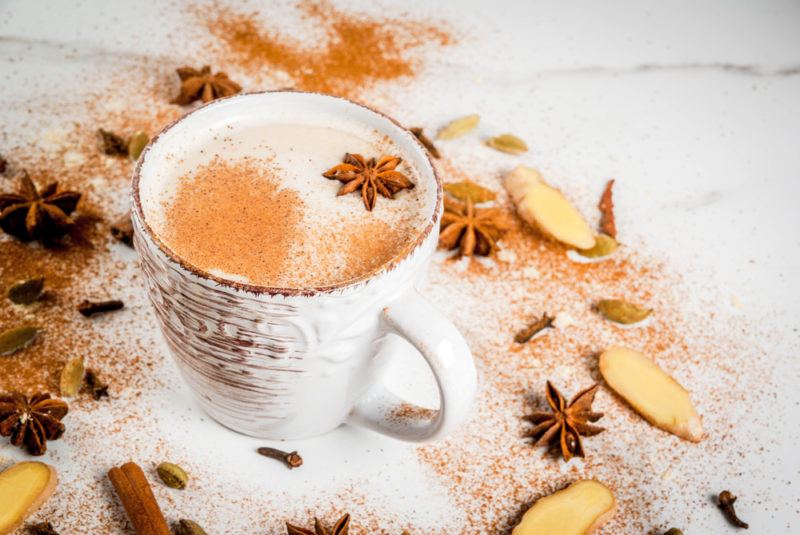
(342, 527)
(567, 422)
(37, 215)
(202, 85)
(31, 422)
(472, 230)
(373, 177)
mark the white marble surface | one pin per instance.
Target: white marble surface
(693, 106)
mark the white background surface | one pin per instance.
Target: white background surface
(695, 106)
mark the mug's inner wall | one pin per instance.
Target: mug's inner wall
(231, 132)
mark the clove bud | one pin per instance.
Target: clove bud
(89, 308)
(292, 458)
(726, 501)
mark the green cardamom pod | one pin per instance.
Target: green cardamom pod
(17, 338)
(622, 311)
(72, 377)
(459, 127)
(673, 531)
(508, 143)
(604, 245)
(26, 292)
(172, 475)
(467, 189)
(136, 145)
(187, 527)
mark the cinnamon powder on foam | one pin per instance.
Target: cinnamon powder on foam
(234, 219)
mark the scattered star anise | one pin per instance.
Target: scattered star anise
(201, 84)
(472, 230)
(34, 215)
(371, 176)
(31, 422)
(342, 527)
(567, 422)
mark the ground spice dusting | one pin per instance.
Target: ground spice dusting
(78, 269)
(489, 456)
(234, 218)
(355, 53)
(487, 473)
(367, 254)
(406, 412)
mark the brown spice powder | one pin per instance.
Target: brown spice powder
(374, 244)
(492, 472)
(234, 217)
(89, 264)
(489, 470)
(358, 51)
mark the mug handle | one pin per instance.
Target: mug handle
(412, 317)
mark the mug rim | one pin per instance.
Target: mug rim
(389, 266)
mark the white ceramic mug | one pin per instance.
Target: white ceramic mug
(283, 363)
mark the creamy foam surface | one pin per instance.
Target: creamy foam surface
(250, 204)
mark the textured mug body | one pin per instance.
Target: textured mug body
(274, 366)
(290, 363)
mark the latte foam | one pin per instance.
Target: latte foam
(249, 203)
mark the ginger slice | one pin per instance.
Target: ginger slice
(546, 209)
(24, 487)
(578, 509)
(651, 392)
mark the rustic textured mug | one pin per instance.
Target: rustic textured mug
(285, 363)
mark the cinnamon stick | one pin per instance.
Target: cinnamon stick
(608, 224)
(137, 497)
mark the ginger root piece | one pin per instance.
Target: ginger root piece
(579, 509)
(24, 487)
(546, 209)
(651, 392)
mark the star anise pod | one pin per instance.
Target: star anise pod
(31, 422)
(472, 230)
(34, 215)
(201, 84)
(371, 176)
(567, 422)
(342, 527)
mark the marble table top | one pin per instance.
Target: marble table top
(694, 107)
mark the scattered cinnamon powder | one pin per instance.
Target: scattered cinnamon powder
(80, 268)
(356, 52)
(56, 140)
(486, 474)
(490, 456)
(407, 412)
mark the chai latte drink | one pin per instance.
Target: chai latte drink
(284, 289)
(249, 203)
